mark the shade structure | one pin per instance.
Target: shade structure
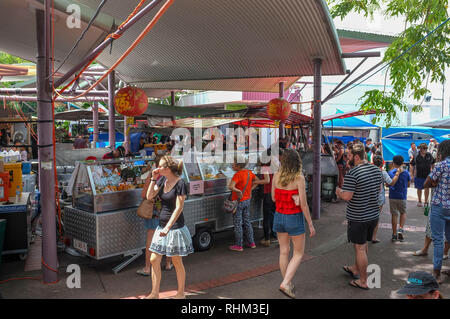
(442, 123)
(163, 110)
(76, 115)
(295, 118)
(349, 122)
(198, 122)
(248, 45)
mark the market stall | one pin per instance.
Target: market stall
(102, 220)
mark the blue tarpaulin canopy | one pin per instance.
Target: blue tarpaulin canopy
(397, 140)
(349, 122)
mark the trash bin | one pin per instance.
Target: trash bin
(2, 237)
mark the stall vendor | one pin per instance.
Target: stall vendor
(118, 152)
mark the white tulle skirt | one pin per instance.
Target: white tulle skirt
(177, 242)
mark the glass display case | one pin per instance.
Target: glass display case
(107, 185)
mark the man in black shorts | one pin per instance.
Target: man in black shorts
(361, 189)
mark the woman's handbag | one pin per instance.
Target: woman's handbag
(147, 206)
(145, 209)
(230, 206)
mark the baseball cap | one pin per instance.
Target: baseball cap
(419, 283)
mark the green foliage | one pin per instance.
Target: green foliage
(6, 58)
(410, 74)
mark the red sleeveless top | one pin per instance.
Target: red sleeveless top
(284, 203)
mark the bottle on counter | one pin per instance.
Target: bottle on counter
(17, 194)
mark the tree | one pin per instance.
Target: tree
(411, 73)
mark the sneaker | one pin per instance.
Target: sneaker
(445, 257)
(265, 243)
(400, 235)
(252, 245)
(419, 204)
(236, 248)
(394, 238)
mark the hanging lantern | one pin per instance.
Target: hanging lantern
(131, 101)
(278, 109)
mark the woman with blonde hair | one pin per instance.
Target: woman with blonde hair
(289, 195)
(172, 237)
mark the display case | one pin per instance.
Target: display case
(108, 185)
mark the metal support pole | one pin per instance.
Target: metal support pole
(95, 123)
(112, 111)
(281, 95)
(172, 98)
(317, 133)
(45, 141)
(126, 136)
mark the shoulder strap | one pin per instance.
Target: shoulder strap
(248, 178)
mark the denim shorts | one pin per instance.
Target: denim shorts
(151, 223)
(293, 224)
(418, 182)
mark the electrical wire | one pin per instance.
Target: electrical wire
(115, 36)
(150, 25)
(396, 58)
(81, 37)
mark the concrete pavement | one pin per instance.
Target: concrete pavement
(251, 274)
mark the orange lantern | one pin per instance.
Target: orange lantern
(279, 109)
(131, 101)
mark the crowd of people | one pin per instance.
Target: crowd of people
(363, 189)
(286, 215)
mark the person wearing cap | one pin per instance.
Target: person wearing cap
(421, 285)
(423, 163)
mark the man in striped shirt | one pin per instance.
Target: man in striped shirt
(361, 189)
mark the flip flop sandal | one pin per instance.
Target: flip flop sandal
(168, 269)
(348, 271)
(142, 272)
(420, 253)
(353, 283)
(288, 291)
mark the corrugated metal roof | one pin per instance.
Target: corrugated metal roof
(197, 44)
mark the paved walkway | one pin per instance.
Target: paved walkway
(251, 274)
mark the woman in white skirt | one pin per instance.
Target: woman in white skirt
(172, 237)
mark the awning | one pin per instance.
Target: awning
(247, 45)
(294, 118)
(199, 123)
(161, 110)
(442, 123)
(345, 115)
(77, 115)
